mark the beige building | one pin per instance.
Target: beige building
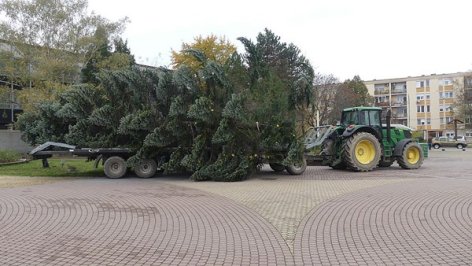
(424, 102)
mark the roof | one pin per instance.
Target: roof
(359, 108)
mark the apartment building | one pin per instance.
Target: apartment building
(425, 102)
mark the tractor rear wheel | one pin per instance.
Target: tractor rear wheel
(339, 166)
(412, 156)
(362, 152)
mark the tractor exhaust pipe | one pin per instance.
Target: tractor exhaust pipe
(389, 134)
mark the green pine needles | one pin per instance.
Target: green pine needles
(218, 122)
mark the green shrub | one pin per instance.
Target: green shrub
(9, 156)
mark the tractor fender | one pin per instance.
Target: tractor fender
(397, 152)
(349, 131)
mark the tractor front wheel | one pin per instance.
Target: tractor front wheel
(412, 156)
(362, 152)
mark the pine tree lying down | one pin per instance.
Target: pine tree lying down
(218, 122)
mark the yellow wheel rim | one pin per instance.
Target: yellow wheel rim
(365, 151)
(413, 155)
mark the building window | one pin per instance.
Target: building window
(420, 84)
(441, 120)
(382, 99)
(422, 96)
(446, 94)
(421, 108)
(449, 119)
(428, 121)
(445, 108)
(446, 82)
(421, 122)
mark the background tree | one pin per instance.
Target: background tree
(357, 86)
(217, 49)
(463, 105)
(350, 93)
(49, 40)
(325, 90)
(106, 57)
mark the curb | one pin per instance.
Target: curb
(17, 162)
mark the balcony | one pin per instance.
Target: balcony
(382, 104)
(423, 89)
(398, 104)
(399, 91)
(381, 91)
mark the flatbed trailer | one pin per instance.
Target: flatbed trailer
(114, 159)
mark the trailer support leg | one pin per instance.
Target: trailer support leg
(45, 163)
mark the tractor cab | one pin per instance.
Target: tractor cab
(361, 116)
(353, 118)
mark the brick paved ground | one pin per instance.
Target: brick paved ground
(388, 216)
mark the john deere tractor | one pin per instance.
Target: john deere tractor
(361, 143)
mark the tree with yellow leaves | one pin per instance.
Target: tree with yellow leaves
(214, 48)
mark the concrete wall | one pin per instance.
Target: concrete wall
(11, 140)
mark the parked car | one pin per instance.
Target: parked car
(460, 143)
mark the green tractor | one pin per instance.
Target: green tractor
(361, 143)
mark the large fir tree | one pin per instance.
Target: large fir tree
(217, 121)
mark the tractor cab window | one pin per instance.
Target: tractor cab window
(374, 117)
(349, 118)
(363, 117)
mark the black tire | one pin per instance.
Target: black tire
(146, 169)
(386, 163)
(412, 156)
(362, 152)
(277, 167)
(436, 146)
(460, 146)
(115, 167)
(339, 166)
(297, 169)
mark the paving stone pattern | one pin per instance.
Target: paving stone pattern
(324, 217)
(424, 222)
(284, 201)
(131, 222)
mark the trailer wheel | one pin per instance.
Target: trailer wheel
(297, 169)
(146, 169)
(277, 167)
(115, 167)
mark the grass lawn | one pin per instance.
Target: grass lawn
(57, 168)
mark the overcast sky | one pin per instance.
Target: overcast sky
(371, 38)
